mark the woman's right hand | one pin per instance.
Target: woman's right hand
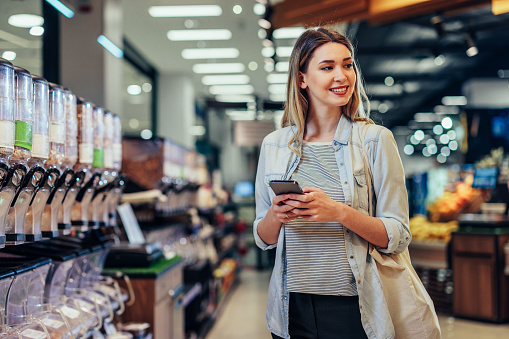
(281, 211)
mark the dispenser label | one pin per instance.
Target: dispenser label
(40, 147)
(98, 158)
(117, 152)
(33, 334)
(52, 323)
(57, 132)
(7, 134)
(70, 312)
(108, 158)
(86, 305)
(86, 153)
(23, 134)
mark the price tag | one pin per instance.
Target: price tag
(52, 323)
(70, 312)
(33, 334)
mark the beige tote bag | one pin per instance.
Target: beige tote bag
(410, 306)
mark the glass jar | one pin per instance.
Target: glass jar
(40, 136)
(6, 110)
(71, 130)
(56, 127)
(98, 121)
(117, 143)
(108, 140)
(85, 111)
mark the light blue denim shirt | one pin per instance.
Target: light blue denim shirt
(277, 161)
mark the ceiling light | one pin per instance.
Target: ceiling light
(36, 31)
(419, 135)
(267, 52)
(383, 108)
(25, 20)
(264, 23)
(454, 100)
(389, 81)
(269, 67)
(237, 9)
(444, 139)
(408, 149)
(210, 53)
(503, 73)
(214, 68)
(284, 51)
(472, 48)
(277, 89)
(277, 97)
(231, 89)
(253, 66)
(445, 151)
(59, 6)
(414, 140)
(411, 86)
(439, 60)
(438, 129)
(267, 43)
(426, 152)
(9, 55)
(288, 32)
(146, 87)
(259, 9)
(430, 142)
(146, 134)
(235, 98)
(277, 78)
(134, 123)
(134, 89)
(197, 130)
(240, 115)
(453, 145)
(447, 122)
(110, 46)
(199, 34)
(184, 11)
(432, 149)
(262, 33)
(282, 66)
(441, 158)
(238, 79)
(451, 134)
(425, 117)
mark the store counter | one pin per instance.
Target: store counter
(481, 289)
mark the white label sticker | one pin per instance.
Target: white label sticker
(86, 153)
(108, 158)
(40, 146)
(52, 323)
(57, 132)
(70, 312)
(117, 152)
(86, 305)
(7, 134)
(33, 334)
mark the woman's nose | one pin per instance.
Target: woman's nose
(339, 75)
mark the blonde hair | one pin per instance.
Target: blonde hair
(297, 104)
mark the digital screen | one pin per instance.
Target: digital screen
(485, 177)
(244, 189)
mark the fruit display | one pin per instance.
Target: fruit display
(424, 230)
(462, 197)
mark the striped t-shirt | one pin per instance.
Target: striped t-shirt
(316, 252)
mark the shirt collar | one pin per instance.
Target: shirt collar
(343, 131)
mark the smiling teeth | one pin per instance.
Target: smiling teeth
(338, 90)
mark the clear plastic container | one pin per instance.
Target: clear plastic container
(109, 130)
(71, 130)
(23, 117)
(85, 111)
(117, 143)
(98, 121)
(40, 131)
(56, 127)
(6, 110)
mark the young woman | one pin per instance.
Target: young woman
(322, 285)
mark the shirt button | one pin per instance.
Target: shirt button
(341, 164)
(360, 306)
(351, 257)
(346, 182)
(358, 282)
(347, 231)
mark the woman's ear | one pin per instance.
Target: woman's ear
(302, 81)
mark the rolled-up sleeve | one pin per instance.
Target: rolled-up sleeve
(390, 189)
(263, 201)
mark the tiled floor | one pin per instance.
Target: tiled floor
(243, 316)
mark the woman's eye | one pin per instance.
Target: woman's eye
(326, 68)
(349, 65)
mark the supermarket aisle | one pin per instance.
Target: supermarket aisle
(244, 315)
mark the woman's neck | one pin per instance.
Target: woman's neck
(321, 125)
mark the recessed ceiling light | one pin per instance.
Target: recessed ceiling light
(284, 51)
(199, 34)
(240, 115)
(146, 134)
(277, 97)
(215, 68)
(210, 53)
(36, 31)
(235, 98)
(9, 55)
(184, 11)
(277, 89)
(389, 81)
(259, 9)
(237, 79)
(447, 122)
(264, 23)
(25, 20)
(253, 66)
(267, 52)
(454, 100)
(134, 89)
(147, 87)
(277, 78)
(231, 89)
(288, 32)
(237, 9)
(282, 66)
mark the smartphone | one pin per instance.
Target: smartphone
(285, 187)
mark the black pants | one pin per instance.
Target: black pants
(315, 316)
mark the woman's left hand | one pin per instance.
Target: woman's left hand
(314, 205)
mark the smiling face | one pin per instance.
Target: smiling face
(330, 77)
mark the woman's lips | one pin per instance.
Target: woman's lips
(339, 90)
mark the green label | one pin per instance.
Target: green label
(23, 134)
(98, 158)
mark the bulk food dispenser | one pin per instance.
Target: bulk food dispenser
(7, 190)
(70, 160)
(23, 115)
(40, 154)
(54, 163)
